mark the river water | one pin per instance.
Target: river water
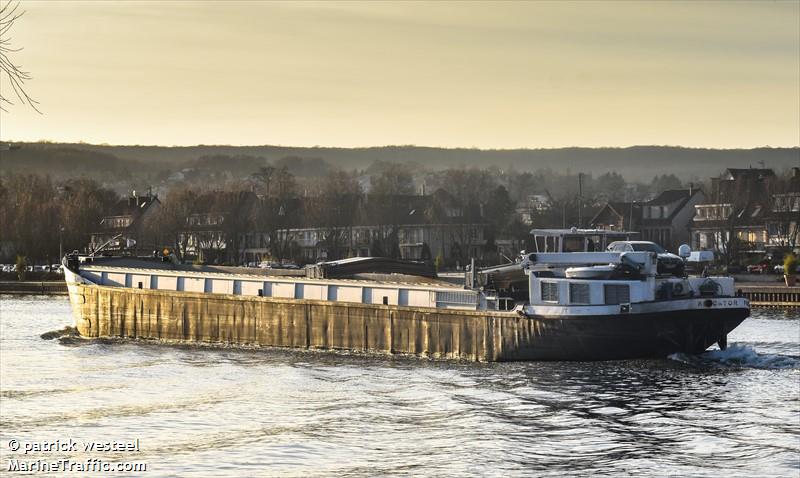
(205, 411)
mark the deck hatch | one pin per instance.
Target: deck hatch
(456, 298)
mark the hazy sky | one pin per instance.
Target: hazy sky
(487, 75)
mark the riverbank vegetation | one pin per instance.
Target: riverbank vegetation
(43, 215)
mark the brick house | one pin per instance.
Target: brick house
(667, 218)
(125, 218)
(733, 217)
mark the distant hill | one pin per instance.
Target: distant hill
(65, 161)
(635, 163)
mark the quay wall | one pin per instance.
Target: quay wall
(33, 287)
(232, 319)
(771, 296)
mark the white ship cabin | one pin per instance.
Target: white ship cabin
(576, 240)
(577, 282)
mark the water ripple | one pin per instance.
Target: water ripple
(250, 411)
(739, 356)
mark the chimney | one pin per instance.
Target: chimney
(133, 200)
(691, 189)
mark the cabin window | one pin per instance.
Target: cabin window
(579, 293)
(540, 243)
(573, 244)
(617, 293)
(594, 244)
(551, 244)
(549, 291)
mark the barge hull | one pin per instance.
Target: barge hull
(629, 336)
(104, 311)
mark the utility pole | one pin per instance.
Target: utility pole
(631, 205)
(580, 200)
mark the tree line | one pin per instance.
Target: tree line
(40, 217)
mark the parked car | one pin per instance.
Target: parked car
(668, 263)
(761, 268)
(278, 265)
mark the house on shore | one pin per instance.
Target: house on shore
(664, 219)
(748, 211)
(419, 227)
(783, 222)
(243, 227)
(126, 218)
(618, 216)
(667, 218)
(216, 224)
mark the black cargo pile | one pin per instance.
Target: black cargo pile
(361, 265)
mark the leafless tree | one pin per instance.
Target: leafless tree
(169, 225)
(37, 216)
(235, 208)
(10, 13)
(726, 240)
(277, 211)
(389, 196)
(334, 207)
(471, 188)
(264, 177)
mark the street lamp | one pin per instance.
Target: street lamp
(60, 247)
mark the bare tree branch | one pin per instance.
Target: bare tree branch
(16, 75)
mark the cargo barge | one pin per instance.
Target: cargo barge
(575, 306)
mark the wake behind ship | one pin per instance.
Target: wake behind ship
(557, 306)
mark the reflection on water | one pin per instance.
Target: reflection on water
(211, 411)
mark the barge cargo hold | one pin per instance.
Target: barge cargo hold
(635, 314)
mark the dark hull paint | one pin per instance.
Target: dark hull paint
(627, 336)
